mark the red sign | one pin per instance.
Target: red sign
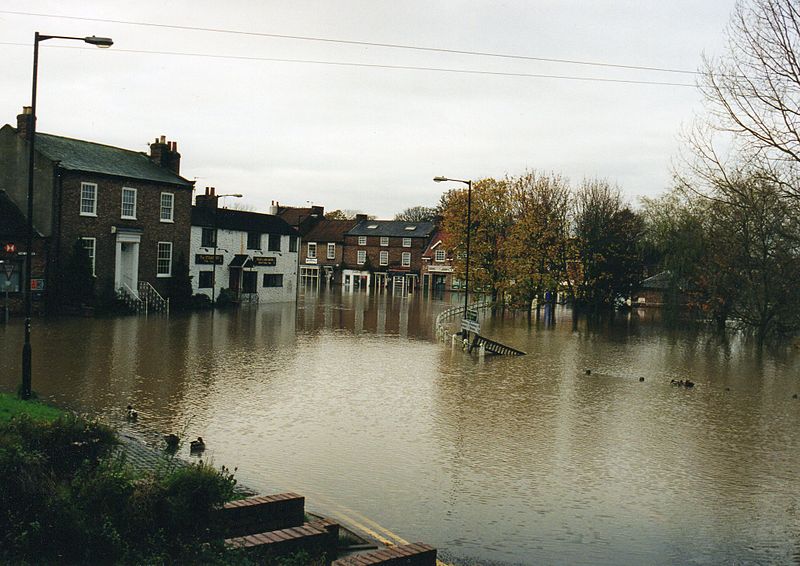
(10, 248)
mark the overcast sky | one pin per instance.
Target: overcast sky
(369, 138)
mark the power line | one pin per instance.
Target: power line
(362, 43)
(372, 65)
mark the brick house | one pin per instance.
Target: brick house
(131, 210)
(437, 266)
(322, 253)
(253, 255)
(383, 253)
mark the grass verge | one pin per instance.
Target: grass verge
(11, 406)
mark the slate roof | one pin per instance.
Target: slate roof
(81, 155)
(241, 220)
(329, 230)
(393, 228)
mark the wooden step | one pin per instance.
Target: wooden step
(415, 554)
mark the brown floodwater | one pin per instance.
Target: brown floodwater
(351, 401)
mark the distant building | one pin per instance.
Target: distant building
(130, 210)
(437, 266)
(383, 253)
(253, 255)
(302, 219)
(322, 253)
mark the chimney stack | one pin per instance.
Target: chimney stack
(208, 200)
(165, 153)
(24, 122)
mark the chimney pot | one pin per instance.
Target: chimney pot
(163, 139)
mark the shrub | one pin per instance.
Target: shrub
(66, 498)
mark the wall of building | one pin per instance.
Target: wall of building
(373, 249)
(14, 179)
(233, 242)
(108, 221)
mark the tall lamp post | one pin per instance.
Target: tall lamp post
(26, 348)
(216, 230)
(468, 183)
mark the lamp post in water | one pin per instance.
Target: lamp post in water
(468, 183)
(102, 42)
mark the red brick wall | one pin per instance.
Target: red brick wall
(72, 225)
(395, 249)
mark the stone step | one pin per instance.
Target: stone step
(317, 539)
(261, 513)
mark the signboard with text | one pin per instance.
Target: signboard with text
(37, 284)
(207, 259)
(470, 325)
(261, 261)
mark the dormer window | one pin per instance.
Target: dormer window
(409, 228)
(372, 226)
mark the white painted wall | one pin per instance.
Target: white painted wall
(232, 242)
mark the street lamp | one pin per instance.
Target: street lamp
(103, 42)
(214, 263)
(468, 183)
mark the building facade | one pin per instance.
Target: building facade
(383, 254)
(251, 255)
(129, 210)
(437, 267)
(322, 254)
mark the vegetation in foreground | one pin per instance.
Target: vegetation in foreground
(11, 406)
(68, 496)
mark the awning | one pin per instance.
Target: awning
(241, 260)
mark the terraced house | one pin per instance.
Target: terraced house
(384, 254)
(130, 210)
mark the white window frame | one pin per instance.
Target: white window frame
(440, 255)
(331, 250)
(128, 190)
(361, 257)
(161, 207)
(86, 211)
(91, 249)
(384, 240)
(406, 242)
(406, 259)
(362, 240)
(383, 258)
(312, 250)
(159, 259)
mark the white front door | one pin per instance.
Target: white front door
(127, 262)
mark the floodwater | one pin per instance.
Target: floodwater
(351, 401)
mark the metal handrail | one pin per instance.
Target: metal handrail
(152, 296)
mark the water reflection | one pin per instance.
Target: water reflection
(348, 400)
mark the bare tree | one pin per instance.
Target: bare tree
(753, 90)
(417, 214)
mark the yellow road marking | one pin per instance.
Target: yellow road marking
(345, 513)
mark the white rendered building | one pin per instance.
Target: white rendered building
(253, 255)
